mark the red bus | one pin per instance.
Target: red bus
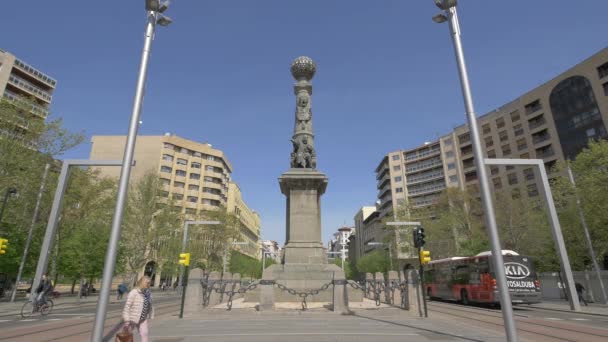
(472, 279)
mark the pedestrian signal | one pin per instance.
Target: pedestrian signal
(184, 259)
(425, 257)
(3, 245)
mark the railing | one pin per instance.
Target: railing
(27, 86)
(36, 109)
(536, 123)
(423, 177)
(34, 72)
(536, 139)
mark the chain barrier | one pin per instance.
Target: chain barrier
(219, 286)
(304, 294)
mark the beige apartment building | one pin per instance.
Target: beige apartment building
(552, 122)
(196, 176)
(19, 79)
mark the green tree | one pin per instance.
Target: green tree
(376, 261)
(151, 229)
(245, 265)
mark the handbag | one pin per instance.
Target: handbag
(124, 336)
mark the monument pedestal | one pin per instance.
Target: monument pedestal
(303, 189)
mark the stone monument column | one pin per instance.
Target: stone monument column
(303, 185)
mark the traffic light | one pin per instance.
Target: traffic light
(3, 245)
(419, 237)
(425, 257)
(184, 259)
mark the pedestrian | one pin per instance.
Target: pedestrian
(122, 289)
(579, 291)
(162, 286)
(138, 308)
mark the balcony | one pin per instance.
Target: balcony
(537, 139)
(424, 177)
(532, 124)
(29, 88)
(426, 189)
(423, 165)
(383, 181)
(422, 154)
(468, 163)
(193, 193)
(190, 205)
(382, 172)
(384, 191)
(35, 73)
(533, 107)
(35, 109)
(545, 153)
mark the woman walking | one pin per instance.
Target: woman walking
(138, 308)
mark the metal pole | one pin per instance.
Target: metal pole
(110, 260)
(28, 241)
(263, 261)
(184, 242)
(225, 259)
(559, 242)
(422, 291)
(185, 284)
(484, 187)
(596, 267)
(51, 226)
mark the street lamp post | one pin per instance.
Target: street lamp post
(449, 13)
(154, 16)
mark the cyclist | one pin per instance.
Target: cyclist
(43, 290)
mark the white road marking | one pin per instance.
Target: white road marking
(54, 319)
(5, 320)
(28, 320)
(74, 314)
(581, 319)
(553, 319)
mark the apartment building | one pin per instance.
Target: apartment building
(249, 222)
(19, 79)
(552, 122)
(196, 176)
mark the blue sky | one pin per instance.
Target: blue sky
(386, 77)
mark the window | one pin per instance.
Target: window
(532, 190)
(396, 167)
(396, 157)
(512, 177)
(464, 138)
(602, 70)
(486, 128)
(208, 168)
(470, 176)
(197, 154)
(184, 150)
(195, 176)
(525, 156)
(500, 123)
(448, 141)
(515, 193)
(208, 179)
(179, 185)
(398, 179)
(503, 136)
(211, 158)
(181, 161)
(533, 107)
(168, 157)
(180, 173)
(518, 130)
(605, 86)
(497, 183)
(190, 211)
(168, 146)
(521, 144)
(449, 154)
(451, 166)
(529, 174)
(489, 141)
(164, 194)
(491, 154)
(506, 150)
(590, 132)
(510, 167)
(192, 199)
(178, 197)
(454, 179)
(165, 181)
(166, 169)
(398, 190)
(494, 170)
(195, 165)
(193, 187)
(515, 116)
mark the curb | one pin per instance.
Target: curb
(570, 311)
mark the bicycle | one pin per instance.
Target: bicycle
(32, 306)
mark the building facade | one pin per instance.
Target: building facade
(19, 79)
(552, 122)
(196, 176)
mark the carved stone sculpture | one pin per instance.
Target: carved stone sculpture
(303, 154)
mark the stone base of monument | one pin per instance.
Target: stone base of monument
(326, 280)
